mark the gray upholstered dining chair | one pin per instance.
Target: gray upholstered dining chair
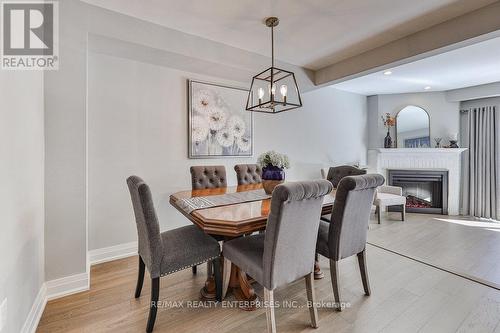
(345, 234)
(208, 176)
(248, 174)
(285, 252)
(163, 253)
(335, 174)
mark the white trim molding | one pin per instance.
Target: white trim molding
(74, 283)
(67, 285)
(35, 314)
(106, 254)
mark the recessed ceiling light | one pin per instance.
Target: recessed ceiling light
(428, 88)
(388, 72)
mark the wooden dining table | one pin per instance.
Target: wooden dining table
(231, 221)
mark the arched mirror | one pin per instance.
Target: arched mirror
(412, 128)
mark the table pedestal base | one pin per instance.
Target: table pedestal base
(208, 292)
(241, 287)
(239, 284)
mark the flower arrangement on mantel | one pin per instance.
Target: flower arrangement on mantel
(389, 122)
(273, 166)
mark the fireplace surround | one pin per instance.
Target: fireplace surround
(381, 160)
(426, 191)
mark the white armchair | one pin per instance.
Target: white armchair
(390, 196)
(324, 172)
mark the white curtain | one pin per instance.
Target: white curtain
(480, 190)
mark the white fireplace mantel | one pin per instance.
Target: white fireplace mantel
(456, 151)
(382, 159)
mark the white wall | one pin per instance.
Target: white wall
(444, 115)
(80, 25)
(483, 91)
(480, 102)
(65, 149)
(138, 125)
(21, 193)
(331, 129)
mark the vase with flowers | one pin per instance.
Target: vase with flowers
(389, 122)
(273, 166)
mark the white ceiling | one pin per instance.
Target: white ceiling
(312, 34)
(468, 66)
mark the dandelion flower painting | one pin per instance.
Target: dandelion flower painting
(217, 119)
(199, 129)
(243, 144)
(204, 101)
(225, 138)
(236, 125)
(219, 125)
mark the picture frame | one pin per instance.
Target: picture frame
(219, 126)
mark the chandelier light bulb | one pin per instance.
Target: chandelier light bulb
(260, 92)
(283, 91)
(272, 90)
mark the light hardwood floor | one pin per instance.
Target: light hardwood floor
(407, 296)
(458, 244)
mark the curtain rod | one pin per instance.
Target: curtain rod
(492, 107)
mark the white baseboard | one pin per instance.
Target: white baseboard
(51, 290)
(31, 323)
(67, 285)
(74, 283)
(112, 253)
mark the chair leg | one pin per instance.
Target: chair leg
(403, 212)
(334, 274)
(311, 298)
(269, 302)
(194, 269)
(140, 278)
(226, 277)
(378, 214)
(218, 279)
(153, 307)
(364, 272)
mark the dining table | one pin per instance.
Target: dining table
(227, 213)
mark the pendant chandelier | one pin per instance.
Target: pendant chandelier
(273, 90)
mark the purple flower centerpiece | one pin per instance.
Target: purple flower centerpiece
(273, 166)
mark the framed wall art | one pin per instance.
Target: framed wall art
(219, 125)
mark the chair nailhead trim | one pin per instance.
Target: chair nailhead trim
(186, 267)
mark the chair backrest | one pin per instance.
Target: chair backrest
(292, 230)
(248, 174)
(148, 229)
(335, 174)
(351, 214)
(208, 176)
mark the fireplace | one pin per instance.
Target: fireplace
(426, 191)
